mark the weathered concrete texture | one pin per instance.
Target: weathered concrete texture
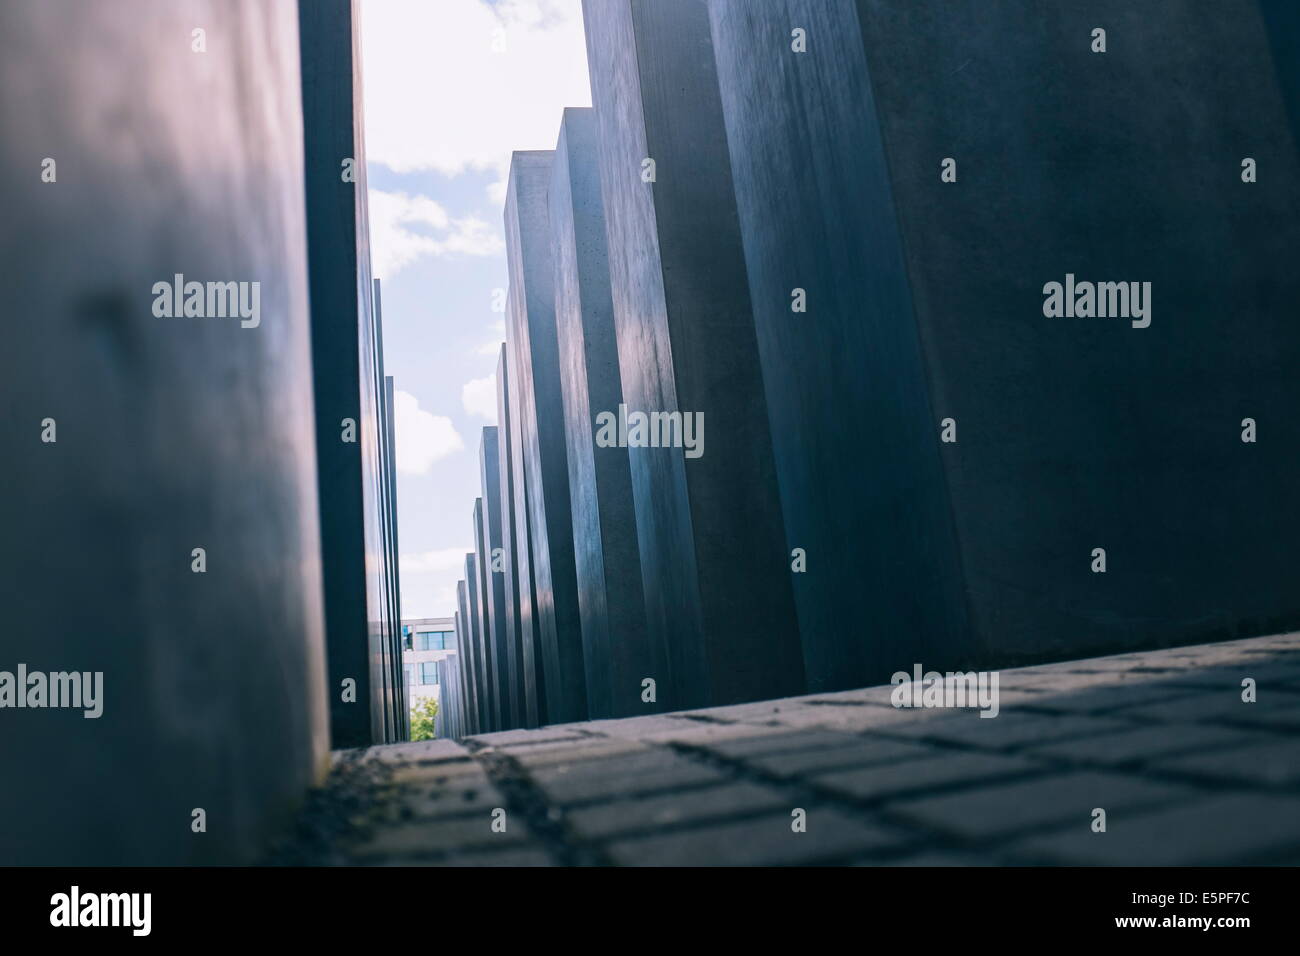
(465, 722)
(466, 645)
(450, 722)
(1073, 433)
(170, 434)
(361, 636)
(713, 552)
(482, 693)
(532, 678)
(494, 575)
(483, 599)
(514, 708)
(1188, 773)
(617, 651)
(393, 647)
(531, 327)
(1282, 23)
(855, 435)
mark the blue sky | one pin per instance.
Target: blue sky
(451, 88)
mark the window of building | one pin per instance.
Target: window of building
(428, 672)
(432, 640)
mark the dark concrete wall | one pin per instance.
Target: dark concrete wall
(449, 721)
(361, 635)
(1123, 165)
(494, 574)
(465, 643)
(482, 693)
(462, 671)
(531, 325)
(1073, 433)
(617, 650)
(483, 600)
(713, 551)
(1282, 24)
(532, 677)
(855, 436)
(513, 705)
(171, 434)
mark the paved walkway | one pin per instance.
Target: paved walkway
(1186, 772)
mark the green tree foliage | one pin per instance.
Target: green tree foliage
(423, 725)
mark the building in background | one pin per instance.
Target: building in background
(425, 642)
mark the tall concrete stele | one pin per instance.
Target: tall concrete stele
(353, 411)
(830, 226)
(557, 651)
(715, 562)
(130, 440)
(960, 465)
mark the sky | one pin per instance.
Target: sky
(451, 88)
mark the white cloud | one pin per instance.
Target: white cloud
(493, 347)
(438, 96)
(400, 227)
(423, 562)
(424, 598)
(422, 438)
(479, 396)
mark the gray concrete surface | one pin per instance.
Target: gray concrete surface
(361, 636)
(482, 601)
(169, 434)
(494, 574)
(715, 567)
(531, 329)
(617, 650)
(1186, 771)
(515, 708)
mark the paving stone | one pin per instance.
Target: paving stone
(593, 748)
(636, 728)
(419, 750)
(1274, 762)
(765, 841)
(759, 711)
(444, 834)
(931, 858)
(507, 738)
(783, 740)
(861, 753)
(1104, 699)
(1213, 678)
(728, 801)
(873, 783)
(1226, 707)
(875, 696)
(1008, 729)
(1206, 779)
(853, 719)
(704, 734)
(523, 856)
(466, 798)
(1000, 810)
(518, 856)
(443, 773)
(1144, 744)
(1224, 830)
(622, 776)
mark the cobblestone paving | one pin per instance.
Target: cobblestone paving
(1186, 771)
